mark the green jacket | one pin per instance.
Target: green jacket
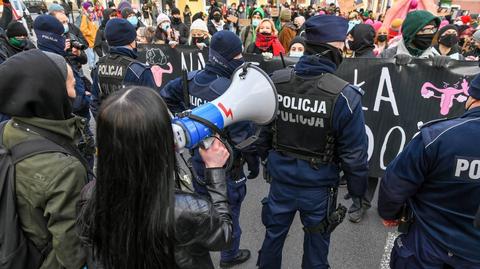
(48, 187)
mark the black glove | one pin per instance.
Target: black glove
(440, 61)
(403, 59)
(253, 164)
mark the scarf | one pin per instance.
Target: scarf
(265, 42)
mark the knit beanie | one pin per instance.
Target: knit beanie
(227, 44)
(446, 28)
(199, 24)
(259, 11)
(286, 15)
(126, 12)
(474, 90)
(55, 8)
(297, 39)
(175, 11)
(396, 23)
(86, 5)
(119, 32)
(161, 18)
(16, 28)
(414, 22)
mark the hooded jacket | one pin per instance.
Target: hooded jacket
(47, 185)
(363, 41)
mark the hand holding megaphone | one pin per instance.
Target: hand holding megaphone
(251, 97)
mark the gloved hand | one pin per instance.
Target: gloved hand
(253, 164)
(440, 61)
(403, 59)
(267, 55)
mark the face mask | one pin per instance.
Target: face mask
(423, 42)
(166, 26)
(19, 43)
(255, 22)
(65, 28)
(217, 17)
(448, 40)
(351, 45)
(176, 20)
(133, 20)
(266, 34)
(296, 54)
(196, 40)
(382, 38)
(234, 64)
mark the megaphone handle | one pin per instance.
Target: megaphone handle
(207, 142)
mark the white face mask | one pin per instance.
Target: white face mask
(296, 54)
(255, 22)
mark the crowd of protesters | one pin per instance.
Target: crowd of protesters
(46, 84)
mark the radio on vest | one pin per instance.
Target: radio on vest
(251, 97)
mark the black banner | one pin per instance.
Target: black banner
(397, 100)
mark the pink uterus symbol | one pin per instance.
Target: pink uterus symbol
(446, 95)
(158, 72)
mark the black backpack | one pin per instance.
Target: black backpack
(16, 250)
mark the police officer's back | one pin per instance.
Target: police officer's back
(319, 127)
(225, 55)
(438, 176)
(119, 68)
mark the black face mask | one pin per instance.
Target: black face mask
(382, 38)
(448, 40)
(196, 40)
(266, 34)
(176, 20)
(217, 17)
(423, 42)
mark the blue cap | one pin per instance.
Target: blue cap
(474, 90)
(119, 32)
(47, 23)
(227, 44)
(55, 7)
(325, 28)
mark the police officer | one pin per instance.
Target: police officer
(225, 55)
(119, 68)
(438, 176)
(320, 127)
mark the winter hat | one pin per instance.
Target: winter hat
(86, 5)
(297, 39)
(123, 5)
(285, 15)
(119, 32)
(414, 22)
(226, 43)
(325, 28)
(396, 23)
(161, 18)
(126, 12)
(443, 24)
(49, 32)
(476, 36)
(55, 8)
(175, 11)
(259, 11)
(199, 24)
(474, 90)
(377, 25)
(16, 28)
(446, 28)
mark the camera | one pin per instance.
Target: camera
(78, 45)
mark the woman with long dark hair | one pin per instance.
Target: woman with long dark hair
(134, 219)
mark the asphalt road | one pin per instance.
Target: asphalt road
(353, 246)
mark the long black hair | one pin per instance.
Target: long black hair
(133, 201)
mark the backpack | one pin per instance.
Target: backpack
(16, 250)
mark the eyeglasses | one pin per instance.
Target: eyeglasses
(427, 31)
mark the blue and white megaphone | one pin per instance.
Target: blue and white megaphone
(251, 97)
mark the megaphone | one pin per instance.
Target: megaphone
(251, 97)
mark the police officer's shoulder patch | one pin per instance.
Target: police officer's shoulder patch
(138, 68)
(282, 75)
(191, 75)
(331, 83)
(220, 85)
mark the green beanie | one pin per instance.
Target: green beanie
(259, 10)
(414, 22)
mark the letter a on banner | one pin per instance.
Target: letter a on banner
(385, 78)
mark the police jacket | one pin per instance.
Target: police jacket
(438, 175)
(136, 73)
(200, 225)
(347, 128)
(205, 86)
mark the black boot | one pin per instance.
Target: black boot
(242, 256)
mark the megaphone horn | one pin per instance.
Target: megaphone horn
(251, 97)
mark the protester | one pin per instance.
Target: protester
(225, 55)
(361, 41)
(187, 16)
(145, 35)
(300, 24)
(394, 35)
(101, 45)
(248, 34)
(36, 90)
(297, 47)
(447, 43)
(266, 40)
(147, 12)
(14, 41)
(381, 41)
(215, 21)
(121, 36)
(131, 16)
(418, 31)
(439, 186)
(199, 34)
(134, 201)
(165, 34)
(288, 29)
(474, 53)
(89, 31)
(179, 26)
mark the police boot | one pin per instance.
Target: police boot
(356, 210)
(242, 256)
